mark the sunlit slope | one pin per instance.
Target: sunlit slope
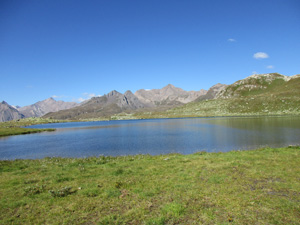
(255, 95)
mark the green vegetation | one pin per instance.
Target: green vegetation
(16, 127)
(239, 187)
(243, 106)
(275, 98)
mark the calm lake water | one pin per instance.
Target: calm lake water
(156, 136)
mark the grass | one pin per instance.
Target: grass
(8, 131)
(17, 127)
(239, 187)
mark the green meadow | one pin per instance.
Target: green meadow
(238, 187)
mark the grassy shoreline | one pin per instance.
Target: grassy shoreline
(18, 127)
(240, 187)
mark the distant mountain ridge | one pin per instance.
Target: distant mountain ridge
(115, 102)
(259, 94)
(43, 107)
(167, 95)
(262, 94)
(7, 112)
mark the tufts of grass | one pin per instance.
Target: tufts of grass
(33, 190)
(173, 210)
(61, 192)
(240, 187)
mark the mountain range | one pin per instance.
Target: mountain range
(43, 107)
(169, 94)
(8, 112)
(142, 100)
(255, 95)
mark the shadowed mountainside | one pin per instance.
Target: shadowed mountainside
(109, 104)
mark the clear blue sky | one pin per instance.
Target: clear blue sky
(75, 49)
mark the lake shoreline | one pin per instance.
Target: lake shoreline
(19, 127)
(207, 188)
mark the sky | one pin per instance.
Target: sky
(72, 50)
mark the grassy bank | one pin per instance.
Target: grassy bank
(239, 187)
(9, 131)
(16, 127)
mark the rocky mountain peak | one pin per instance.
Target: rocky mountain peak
(170, 86)
(7, 112)
(217, 85)
(213, 92)
(50, 100)
(128, 93)
(41, 108)
(113, 93)
(168, 95)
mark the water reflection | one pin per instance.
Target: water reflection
(158, 136)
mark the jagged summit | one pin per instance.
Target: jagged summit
(115, 102)
(50, 99)
(113, 93)
(112, 103)
(168, 95)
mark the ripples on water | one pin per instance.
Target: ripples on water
(156, 136)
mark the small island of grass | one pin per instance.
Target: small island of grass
(17, 127)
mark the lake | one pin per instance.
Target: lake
(153, 136)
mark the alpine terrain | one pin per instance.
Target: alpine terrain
(264, 94)
(8, 112)
(43, 107)
(115, 103)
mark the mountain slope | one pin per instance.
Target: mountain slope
(168, 95)
(7, 112)
(43, 107)
(212, 92)
(107, 105)
(265, 94)
(256, 85)
(115, 103)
